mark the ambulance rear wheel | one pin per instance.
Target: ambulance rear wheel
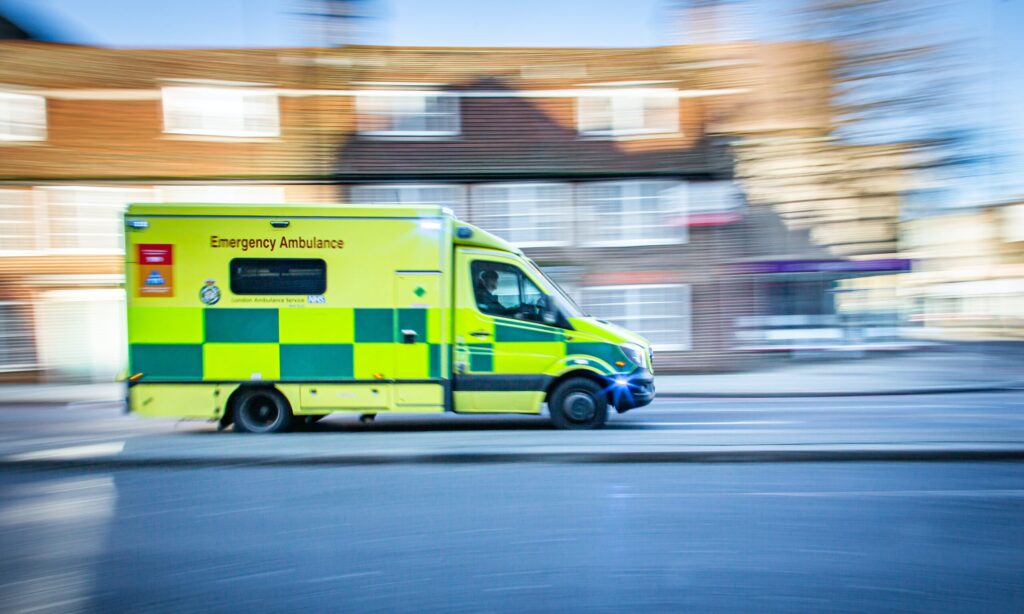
(262, 410)
(578, 403)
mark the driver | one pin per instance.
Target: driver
(485, 287)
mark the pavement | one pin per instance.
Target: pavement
(940, 369)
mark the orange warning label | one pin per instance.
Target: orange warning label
(155, 264)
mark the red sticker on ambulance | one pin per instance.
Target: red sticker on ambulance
(156, 277)
(156, 253)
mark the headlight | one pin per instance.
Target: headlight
(635, 354)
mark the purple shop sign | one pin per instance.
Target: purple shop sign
(888, 265)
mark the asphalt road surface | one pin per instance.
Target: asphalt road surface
(619, 537)
(968, 412)
(941, 420)
(806, 537)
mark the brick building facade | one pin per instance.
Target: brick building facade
(613, 168)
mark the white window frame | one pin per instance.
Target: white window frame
(33, 220)
(133, 195)
(36, 120)
(177, 99)
(479, 215)
(367, 100)
(584, 203)
(686, 336)
(621, 103)
(460, 208)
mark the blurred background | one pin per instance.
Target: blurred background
(744, 182)
(812, 208)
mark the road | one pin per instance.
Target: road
(803, 537)
(614, 537)
(937, 421)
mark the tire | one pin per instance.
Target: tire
(262, 410)
(578, 403)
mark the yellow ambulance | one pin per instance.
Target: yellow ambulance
(270, 317)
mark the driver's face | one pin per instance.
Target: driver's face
(491, 285)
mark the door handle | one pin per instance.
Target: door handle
(480, 333)
(409, 336)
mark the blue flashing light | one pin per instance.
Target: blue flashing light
(620, 387)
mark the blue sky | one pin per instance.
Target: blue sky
(239, 23)
(993, 47)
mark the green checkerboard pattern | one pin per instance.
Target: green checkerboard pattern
(527, 347)
(174, 344)
(230, 344)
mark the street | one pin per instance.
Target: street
(796, 537)
(939, 422)
(613, 537)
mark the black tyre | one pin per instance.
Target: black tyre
(578, 403)
(262, 410)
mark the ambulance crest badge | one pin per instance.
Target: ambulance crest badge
(210, 293)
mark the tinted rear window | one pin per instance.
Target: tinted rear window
(278, 276)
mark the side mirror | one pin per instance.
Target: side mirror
(547, 310)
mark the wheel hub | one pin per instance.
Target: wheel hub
(579, 406)
(262, 412)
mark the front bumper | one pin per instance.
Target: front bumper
(630, 391)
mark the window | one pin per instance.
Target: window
(527, 214)
(408, 114)
(451, 196)
(278, 276)
(17, 345)
(711, 197)
(22, 117)
(634, 213)
(88, 219)
(17, 221)
(80, 333)
(659, 312)
(503, 290)
(220, 111)
(628, 113)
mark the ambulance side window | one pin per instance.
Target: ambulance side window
(503, 290)
(278, 276)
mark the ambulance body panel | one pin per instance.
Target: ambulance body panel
(350, 309)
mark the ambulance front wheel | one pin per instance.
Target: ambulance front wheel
(578, 403)
(262, 410)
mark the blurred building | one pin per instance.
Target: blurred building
(691, 193)
(969, 279)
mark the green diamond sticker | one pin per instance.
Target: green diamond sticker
(419, 291)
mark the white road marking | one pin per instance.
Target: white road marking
(258, 574)
(977, 493)
(714, 423)
(896, 493)
(357, 574)
(70, 453)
